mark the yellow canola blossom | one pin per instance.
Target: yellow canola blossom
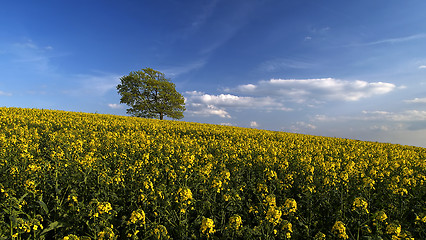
(207, 226)
(52, 163)
(290, 206)
(235, 222)
(160, 232)
(184, 195)
(138, 216)
(360, 205)
(104, 207)
(273, 215)
(287, 227)
(339, 230)
(271, 200)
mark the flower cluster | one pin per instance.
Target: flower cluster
(235, 222)
(339, 230)
(138, 216)
(360, 205)
(71, 175)
(207, 226)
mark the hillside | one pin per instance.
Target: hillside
(67, 175)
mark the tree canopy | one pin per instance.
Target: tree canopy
(151, 95)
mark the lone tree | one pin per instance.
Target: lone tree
(150, 95)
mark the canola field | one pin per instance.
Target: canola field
(66, 175)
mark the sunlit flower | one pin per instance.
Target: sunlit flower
(273, 215)
(339, 230)
(104, 207)
(320, 236)
(290, 206)
(270, 200)
(160, 232)
(184, 195)
(207, 226)
(138, 216)
(235, 222)
(393, 229)
(71, 237)
(360, 205)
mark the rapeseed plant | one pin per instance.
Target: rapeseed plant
(74, 175)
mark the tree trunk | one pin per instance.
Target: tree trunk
(161, 116)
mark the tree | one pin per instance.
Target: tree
(151, 95)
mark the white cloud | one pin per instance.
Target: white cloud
(5, 93)
(300, 127)
(384, 128)
(208, 110)
(403, 116)
(273, 94)
(416, 100)
(398, 40)
(422, 67)
(115, 106)
(316, 90)
(254, 124)
(247, 88)
(199, 103)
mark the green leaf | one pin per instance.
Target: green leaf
(22, 198)
(51, 227)
(44, 206)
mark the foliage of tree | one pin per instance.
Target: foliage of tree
(151, 95)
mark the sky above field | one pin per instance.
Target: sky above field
(350, 69)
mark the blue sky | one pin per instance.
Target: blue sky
(350, 69)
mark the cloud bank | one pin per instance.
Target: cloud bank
(278, 94)
(199, 103)
(5, 93)
(321, 89)
(416, 100)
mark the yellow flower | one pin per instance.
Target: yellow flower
(217, 184)
(262, 188)
(226, 175)
(185, 195)
(273, 215)
(290, 206)
(339, 230)
(30, 185)
(393, 229)
(104, 207)
(360, 205)
(270, 174)
(287, 227)
(207, 226)
(320, 236)
(71, 237)
(226, 197)
(270, 200)
(160, 232)
(235, 222)
(107, 233)
(138, 216)
(379, 216)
